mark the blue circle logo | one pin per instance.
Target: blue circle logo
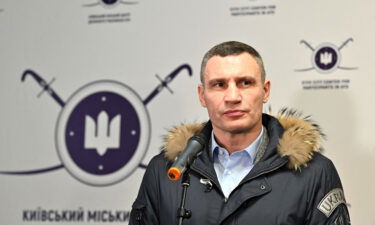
(326, 58)
(109, 2)
(103, 133)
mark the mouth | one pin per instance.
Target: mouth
(234, 113)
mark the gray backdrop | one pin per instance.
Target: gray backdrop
(84, 58)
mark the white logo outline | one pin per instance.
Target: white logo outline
(145, 127)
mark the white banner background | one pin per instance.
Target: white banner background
(76, 44)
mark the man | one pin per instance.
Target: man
(255, 169)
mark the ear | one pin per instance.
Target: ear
(266, 89)
(201, 95)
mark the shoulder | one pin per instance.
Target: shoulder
(321, 164)
(158, 163)
(320, 177)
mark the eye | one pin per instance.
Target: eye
(246, 82)
(219, 84)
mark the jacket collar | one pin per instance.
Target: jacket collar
(292, 137)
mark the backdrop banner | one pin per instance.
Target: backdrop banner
(89, 88)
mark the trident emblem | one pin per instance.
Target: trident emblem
(103, 130)
(103, 134)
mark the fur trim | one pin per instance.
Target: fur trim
(302, 137)
(300, 140)
(177, 138)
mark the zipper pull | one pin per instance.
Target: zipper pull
(207, 183)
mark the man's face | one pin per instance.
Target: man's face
(234, 93)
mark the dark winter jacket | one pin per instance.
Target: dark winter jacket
(291, 184)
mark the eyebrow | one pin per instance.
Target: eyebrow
(216, 80)
(246, 78)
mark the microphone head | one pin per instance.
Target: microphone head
(195, 144)
(174, 173)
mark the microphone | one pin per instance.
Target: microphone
(194, 145)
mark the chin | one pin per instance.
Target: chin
(238, 128)
(242, 126)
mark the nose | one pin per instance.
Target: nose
(233, 94)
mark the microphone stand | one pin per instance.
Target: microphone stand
(183, 213)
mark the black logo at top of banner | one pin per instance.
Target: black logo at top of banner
(103, 130)
(102, 17)
(326, 57)
(110, 3)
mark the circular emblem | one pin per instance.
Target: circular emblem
(326, 58)
(102, 133)
(109, 2)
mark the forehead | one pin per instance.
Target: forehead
(230, 66)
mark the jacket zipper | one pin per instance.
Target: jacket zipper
(251, 178)
(266, 171)
(258, 175)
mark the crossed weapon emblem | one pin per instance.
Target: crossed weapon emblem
(46, 87)
(324, 57)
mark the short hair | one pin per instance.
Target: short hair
(232, 48)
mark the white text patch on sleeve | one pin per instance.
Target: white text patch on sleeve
(329, 203)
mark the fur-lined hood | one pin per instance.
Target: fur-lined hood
(300, 140)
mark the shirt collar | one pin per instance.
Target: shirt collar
(252, 149)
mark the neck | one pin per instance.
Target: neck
(234, 142)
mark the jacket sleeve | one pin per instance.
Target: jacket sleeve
(327, 197)
(145, 208)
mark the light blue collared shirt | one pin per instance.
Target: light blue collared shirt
(231, 169)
